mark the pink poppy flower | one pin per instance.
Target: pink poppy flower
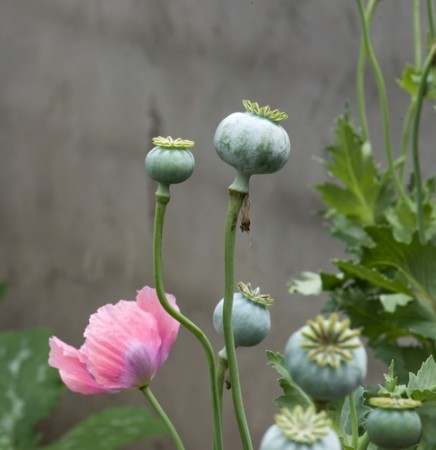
(125, 345)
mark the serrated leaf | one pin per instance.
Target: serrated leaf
(415, 261)
(111, 429)
(372, 275)
(407, 358)
(422, 386)
(352, 165)
(29, 388)
(293, 395)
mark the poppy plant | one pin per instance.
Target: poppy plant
(125, 345)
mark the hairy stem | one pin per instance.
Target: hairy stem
(354, 422)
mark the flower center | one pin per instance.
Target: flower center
(254, 295)
(303, 426)
(330, 341)
(169, 142)
(274, 115)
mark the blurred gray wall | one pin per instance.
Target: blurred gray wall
(85, 84)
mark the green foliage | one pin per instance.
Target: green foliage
(3, 290)
(410, 79)
(29, 388)
(292, 395)
(111, 430)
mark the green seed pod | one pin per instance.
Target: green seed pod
(326, 359)
(394, 424)
(252, 142)
(170, 161)
(300, 430)
(251, 320)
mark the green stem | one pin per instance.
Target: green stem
(360, 75)
(221, 374)
(417, 31)
(431, 20)
(405, 136)
(152, 399)
(363, 442)
(415, 137)
(354, 421)
(161, 202)
(383, 101)
(235, 203)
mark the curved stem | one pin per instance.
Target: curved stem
(431, 20)
(383, 101)
(161, 202)
(415, 137)
(417, 31)
(363, 442)
(360, 87)
(152, 399)
(354, 421)
(235, 203)
(405, 136)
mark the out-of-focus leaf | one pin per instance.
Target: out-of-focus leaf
(3, 289)
(111, 429)
(427, 413)
(407, 358)
(361, 408)
(314, 283)
(415, 261)
(422, 386)
(372, 275)
(345, 229)
(293, 395)
(391, 301)
(29, 388)
(411, 78)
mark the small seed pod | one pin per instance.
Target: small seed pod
(393, 423)
(251, 320)
(326, 359)
(252, 142)
(170, 161)
(300, 430)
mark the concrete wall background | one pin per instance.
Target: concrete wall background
(85, 84)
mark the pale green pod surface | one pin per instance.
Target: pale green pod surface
(328, 375)
(251, 321)
(274, 439)
(169, 165)
(252, 144)
(394, 429)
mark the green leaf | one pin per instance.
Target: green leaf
(422, 386)
(111, 429)
(391, 387)
(390, 302)
(415, 261)
(352, 165)
(293, 395)
(345, 229)
(29, 388)
(411, 78)
(361, 409)
(372, 275)
(314, 283)
(407, 358)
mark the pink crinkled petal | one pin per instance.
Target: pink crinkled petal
(168, 326)
(72, 368)
(122, 345)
